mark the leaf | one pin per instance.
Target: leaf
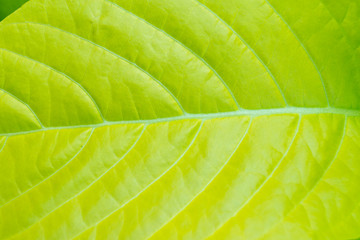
(181, 119)
(9, 6)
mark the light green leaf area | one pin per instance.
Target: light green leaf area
(180, 119)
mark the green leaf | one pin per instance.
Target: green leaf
(180, 119)
(9, 6)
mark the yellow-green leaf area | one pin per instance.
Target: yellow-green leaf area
(180, 119)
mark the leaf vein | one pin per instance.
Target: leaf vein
(148, 186)
(61, 73)
(317, 181)
(3, 146)
(243, 112)
(211, 180)
(249, 47)
(97, 179)
(305, 49)
(184, 46)
(27, 105)
(48, 177)
(268, 177)
(111, 52)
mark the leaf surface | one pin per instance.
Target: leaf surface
(9, 6)
(181, 119)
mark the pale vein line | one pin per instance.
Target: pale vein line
(27, 105)
(266, 180)
(248, 46)
(148, 186)
(48, 177)
(184, 46)
(305, 49)
(3, 146)
(317, 181)
(61, 73)
(109, 51)
(211, 180)
(96, 180)
(243, 112)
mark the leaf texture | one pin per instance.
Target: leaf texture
(180, 119)
(7, 7)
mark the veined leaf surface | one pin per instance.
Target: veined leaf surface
(180, 119)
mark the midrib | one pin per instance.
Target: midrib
(242, 112)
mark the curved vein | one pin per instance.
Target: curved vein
(96, 180)
(317, 181)
(184, 46)
(3, 146)
(211, 180)
(48, 177)
(305, 49)
(268, 177)
(61, 73)
(27, 105)
(248, 46)
(148, 186)
(109, 51)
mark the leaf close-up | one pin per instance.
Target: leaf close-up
(9, 6)
(180, 119)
